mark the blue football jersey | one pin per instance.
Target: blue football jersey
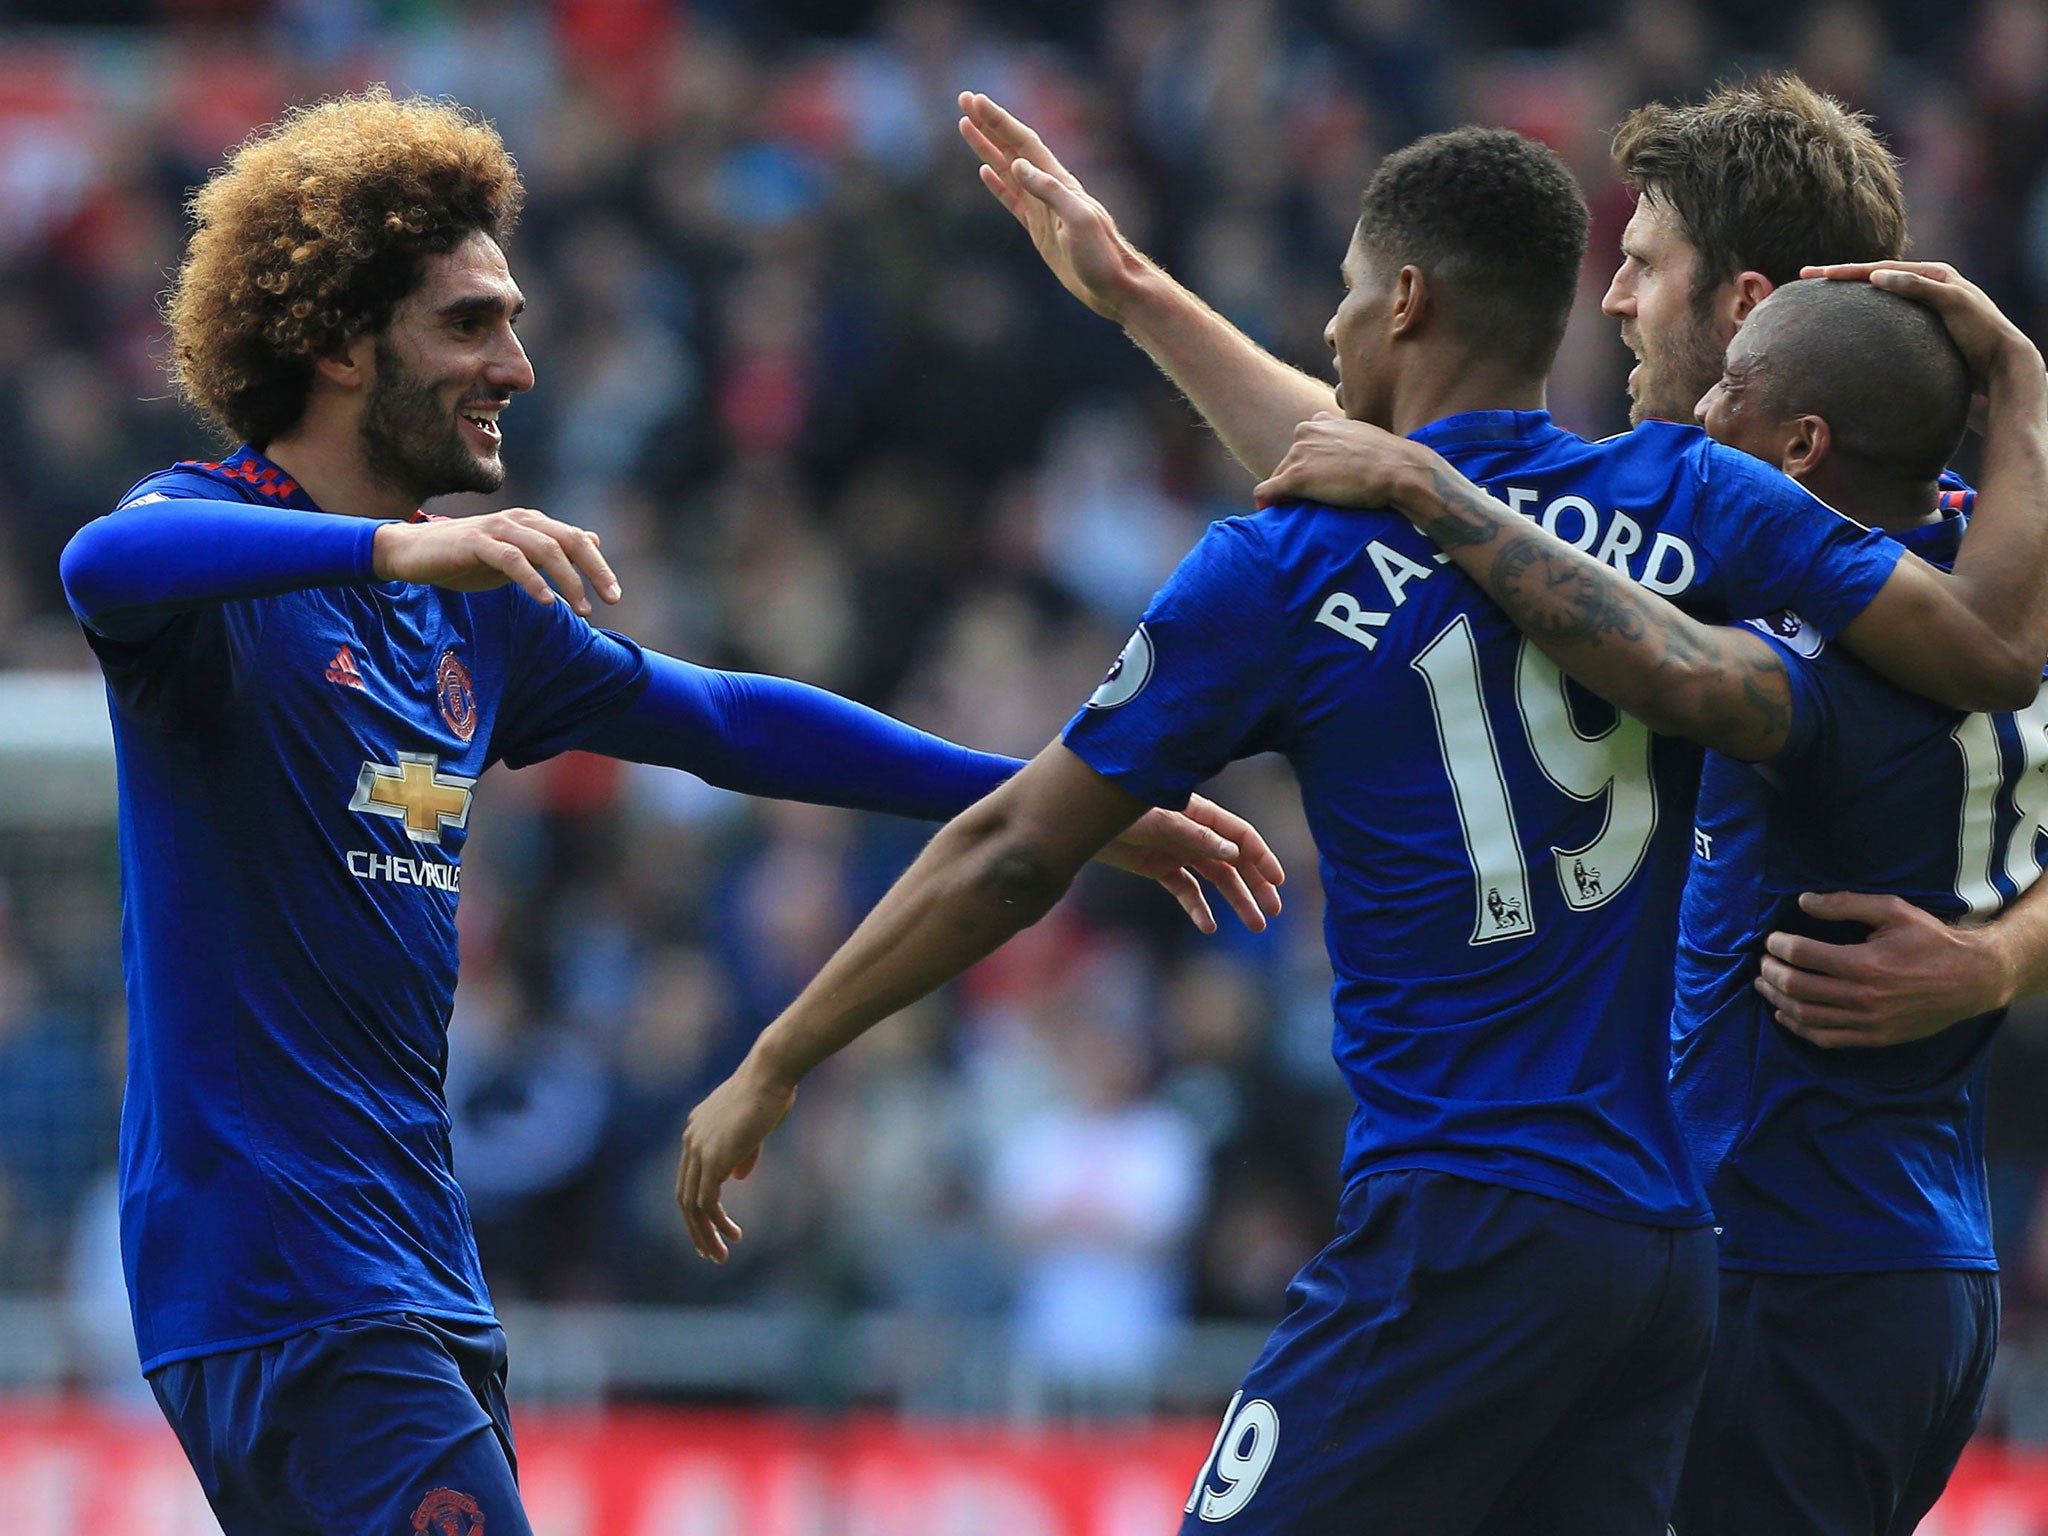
(1848, 1160)
(295, 785)
(1503, 854)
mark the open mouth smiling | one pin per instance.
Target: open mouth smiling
(483, 421)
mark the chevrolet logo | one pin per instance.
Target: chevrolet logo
(415, 793)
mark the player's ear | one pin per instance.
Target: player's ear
(1412, 302)
(351, 368)
(1748, 290)
(1807, 448)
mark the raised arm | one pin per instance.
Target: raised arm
(1974, 639)
(1720, 686)
(992, 871)
(1249, 396)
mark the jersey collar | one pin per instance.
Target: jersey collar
(245, 466)
(1468, 428)
(251, 468)
(1936, 543)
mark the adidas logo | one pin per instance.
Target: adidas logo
(342, 670)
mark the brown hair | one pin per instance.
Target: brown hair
(1766, 177)
(310, 235)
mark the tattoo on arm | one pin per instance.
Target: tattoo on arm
(1461, 514)
(1710, 682)
(1563, 599)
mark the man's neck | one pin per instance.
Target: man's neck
(1480, 386)
(331, 470)
(1887, 505)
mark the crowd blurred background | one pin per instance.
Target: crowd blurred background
(834, 422)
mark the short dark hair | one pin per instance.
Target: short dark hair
(309, 237)
(1880, 370)
(1498, 219)
(1766, 177)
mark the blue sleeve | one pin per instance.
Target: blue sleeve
(563, 677)
(128, 573)
(1815, 709)
(1775, 545)
(789, 741)
(1200, 682)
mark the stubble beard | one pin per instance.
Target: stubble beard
(412, 442)
(1675, 377)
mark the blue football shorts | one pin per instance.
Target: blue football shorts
(1469, 1360)
(1837, 1405)
(384, 1426)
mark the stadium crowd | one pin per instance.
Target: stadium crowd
(835, 423)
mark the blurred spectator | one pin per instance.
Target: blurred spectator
(1269, 1143)
(528, 1099)
(1097, 1193)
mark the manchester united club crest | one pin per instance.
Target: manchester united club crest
(444, 1512)
(457, 695)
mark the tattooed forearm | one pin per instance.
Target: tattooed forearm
(1713, 684)
(1567, 600)
(1458, 513)
(1719, 686)
(1767, 695)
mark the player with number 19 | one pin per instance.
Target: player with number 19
(1510, 1328)
(1848, 1187)
(1736, 193)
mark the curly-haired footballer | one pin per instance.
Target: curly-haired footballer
(311, 240)
(306, 678)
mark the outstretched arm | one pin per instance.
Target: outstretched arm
(1913, 976)
(1974, 639)
(1720, 686)
(992, 871)
(128, 573)
(1249, 396)
(786, 740)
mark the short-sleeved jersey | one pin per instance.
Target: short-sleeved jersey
(1823, 1160)
(1502, 853)
(295, 783)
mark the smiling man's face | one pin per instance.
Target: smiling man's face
(443, 369)
(1737, 410)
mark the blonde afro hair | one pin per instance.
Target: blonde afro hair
(314, 230)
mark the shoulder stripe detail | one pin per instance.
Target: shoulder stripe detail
(264, 479)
